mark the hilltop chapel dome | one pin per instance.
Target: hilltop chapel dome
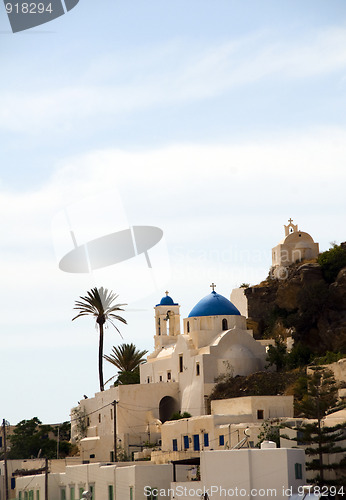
(214, 304)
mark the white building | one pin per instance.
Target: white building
(231, 421)
(250, 473)
(272, 470)
(178, 376)
(296, 246)
(214, 341)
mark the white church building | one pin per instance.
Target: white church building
(214, 341)
(177, 377)
(295, 247)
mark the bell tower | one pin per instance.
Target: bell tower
(167, 321)
(290, 228)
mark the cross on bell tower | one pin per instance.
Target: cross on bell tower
(290, 228)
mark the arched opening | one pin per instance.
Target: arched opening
(168, 319)
(167, 407)
(224, 324)
(188, 327)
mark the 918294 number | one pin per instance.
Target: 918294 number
(323, 491)
(28, 8)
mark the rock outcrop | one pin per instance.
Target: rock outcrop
(303, 305)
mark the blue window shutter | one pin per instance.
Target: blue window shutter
(206, 439)
(13, 483)
(196, 442)
(186, 442)
(175, 445)
(221, 440)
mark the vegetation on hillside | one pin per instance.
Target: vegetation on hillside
(258, 384)
(332, 261)
(321, 440)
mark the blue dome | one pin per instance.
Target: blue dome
(167, 301)
(214, 305)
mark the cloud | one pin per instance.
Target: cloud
(171, 75)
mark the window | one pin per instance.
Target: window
(13, 483)
(175, 445)
(111, 492)
(81, 492)
(62, 494)
(26, 496)
(260, 414)
(206, 439)
(112, 456)
(131, 492)
(88, 421)
(186, 442)
(197, 369)
(31, 495)
(99, 418)
(160, 378)
(72, 493)
(224, 324)
(196, 442)
(181, 363)
(37, 494)
(111, 413)
(298, 471)
(169, 375)
(221, 440)
(92, 455)
(20, 495)
(148, 380)
(188, 327)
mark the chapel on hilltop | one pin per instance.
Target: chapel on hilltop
(295, 247)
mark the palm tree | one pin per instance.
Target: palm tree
(127, 358)
(99, 302)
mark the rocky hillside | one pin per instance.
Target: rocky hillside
(258, 384)
(310, 304)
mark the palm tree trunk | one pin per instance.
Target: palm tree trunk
(101, 357)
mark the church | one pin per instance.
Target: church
(295, 247)
(178, 376)
(214, 341)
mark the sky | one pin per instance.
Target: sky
(213, 120)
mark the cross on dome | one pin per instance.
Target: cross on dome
(213, 286)
(166, 293)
